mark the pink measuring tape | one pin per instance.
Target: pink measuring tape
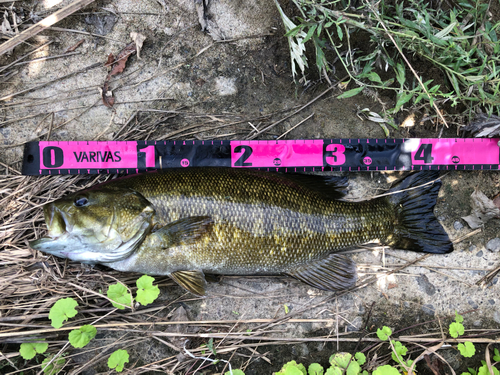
(92, 157)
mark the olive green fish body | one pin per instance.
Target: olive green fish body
(260, 224)
(184, 223)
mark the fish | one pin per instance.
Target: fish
(189, 222)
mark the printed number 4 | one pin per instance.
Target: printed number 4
(424, 153)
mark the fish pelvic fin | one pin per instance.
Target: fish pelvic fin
(193, 281)
(416, 227)
(333, 273)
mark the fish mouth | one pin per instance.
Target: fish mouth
(56, 240)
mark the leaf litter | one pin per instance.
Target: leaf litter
(118, 64)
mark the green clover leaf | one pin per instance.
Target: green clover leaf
(293, 368)
(483, 370)
(384, 333)
(118, 359)
(360, 358)
(458, 318)
(146, 291)
(386, 370)
(340, 359)
(456, 329)
(82, 336)
(315, 369)
(119, 293)
(62, 310)
(467, 350)
(334, 370)
(28, 350)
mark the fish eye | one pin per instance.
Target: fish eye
(81, 201)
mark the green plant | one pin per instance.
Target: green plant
(118, 359)
(456, 329)
(146, 292)
(29, 350)
(119, 293)
(460, 42)
(82, 336)
(62, 310)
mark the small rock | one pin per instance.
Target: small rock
(477, 323)
(429, 309)
(496, 316)
(479, 253)
(457, 225)
(355, 324)
(491, 301)
(472, 247)
(426, 285)
(493, 245)
(441, 218)
(406, 304)
(473, 304)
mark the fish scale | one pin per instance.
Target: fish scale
(184, 223)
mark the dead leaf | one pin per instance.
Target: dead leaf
(121, 59)
(117, 64)
(484, 126)
(72, 48)
(178, 315)
(107, 95)
(138, 39)
(483, 209)
(110, 61)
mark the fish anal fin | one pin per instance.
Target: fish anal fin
(193, 281)
(185, 231)
(335, 272)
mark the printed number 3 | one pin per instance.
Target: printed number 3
(334, 154)
(241, 162)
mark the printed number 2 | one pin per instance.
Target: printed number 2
(241, 162)
(424, 153)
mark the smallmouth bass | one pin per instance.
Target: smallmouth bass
(185, 223)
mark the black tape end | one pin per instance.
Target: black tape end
(31, 159)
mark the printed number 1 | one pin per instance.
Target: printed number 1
(424, 153)
(247, 151)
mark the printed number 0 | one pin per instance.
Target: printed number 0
(241, 162)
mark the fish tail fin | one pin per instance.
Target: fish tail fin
(417, 228)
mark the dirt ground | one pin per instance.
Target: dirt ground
(220, 84)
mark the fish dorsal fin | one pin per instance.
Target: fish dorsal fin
(335, 272)
(193, 281)
(185, 231)
(329, 187)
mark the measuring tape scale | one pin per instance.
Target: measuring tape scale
(93, 157)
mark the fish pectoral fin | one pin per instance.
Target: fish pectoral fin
(335, 272)
(193, 281)
(185, 231)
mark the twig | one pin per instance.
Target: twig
(10, 96)
(23, 57)
(300, 123)
(43, 24)
(292, 114)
